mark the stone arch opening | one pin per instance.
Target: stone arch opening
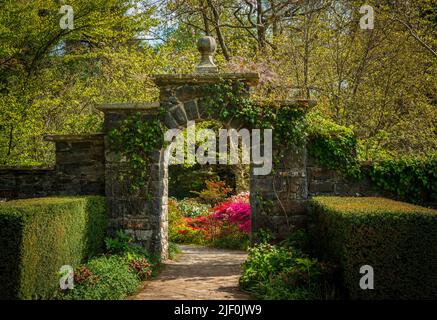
(183, 98)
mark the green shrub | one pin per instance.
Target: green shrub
(122, 244)
(38, 236)
(410, 179)
(188, 235)
(110, 278)
(398, 240)
(234, 241)
(334, 146)
(189, 207)
(214, 192)
(284, 272)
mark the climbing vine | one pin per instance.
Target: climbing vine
(410, 179)
(333, 146)
(136, 140)
(232, 102)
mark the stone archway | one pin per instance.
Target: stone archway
(182, 96)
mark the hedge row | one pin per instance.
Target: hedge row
(397, 239)
(38, 236)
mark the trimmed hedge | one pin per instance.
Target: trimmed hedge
(397, 239)
(38, 236)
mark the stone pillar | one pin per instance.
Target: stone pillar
(279, 200)
(142, 214)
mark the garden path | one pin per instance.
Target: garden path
(198, 273)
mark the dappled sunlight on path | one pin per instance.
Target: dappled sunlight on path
(198, 273)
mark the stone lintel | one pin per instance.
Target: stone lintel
(162, 80)
(140, 107)
(73, 137)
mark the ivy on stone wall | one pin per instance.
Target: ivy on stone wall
(235, 105)
(409, 179)
(136, 140)
(333, 146)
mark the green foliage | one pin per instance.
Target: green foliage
(123, 244)
(110, 279)
(38, 236)
(51, 79)
(139, 265)
(191, 208)
(215, 192)
(173, 250)
(285, 272)
(175, 219)
(397, 239)
(114, 275)
(119, 244)
(233, 241)
(188, 235)
(137, 139)
(410, 179)
(233, 102)
(332, 145)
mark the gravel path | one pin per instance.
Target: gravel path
(198, 273)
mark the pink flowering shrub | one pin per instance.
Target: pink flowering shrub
(227, 224)
(236, 213)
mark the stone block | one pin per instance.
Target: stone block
(321, 187)
(170, 121)
(191, 110)
(179, 115)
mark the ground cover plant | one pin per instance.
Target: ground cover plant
(114, 275)
(287, 271)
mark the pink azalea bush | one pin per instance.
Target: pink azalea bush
(237, 213)
(227, 223)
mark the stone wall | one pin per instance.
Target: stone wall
(323, 181)
(79, 170)
(142, 214)
(279, 202)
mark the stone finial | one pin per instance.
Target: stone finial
(206, 46)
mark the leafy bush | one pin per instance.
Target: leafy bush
(191, 235)
(38, 236)
(334, 146)
(234, 213)
(139, 265)
(410, 179)
(215, 192)
(110, 279)
(284, 272)
(114, 275)
(175, 220)
(189, 207)
(398, 240)
(122, 244)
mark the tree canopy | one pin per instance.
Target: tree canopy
(380, 83)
